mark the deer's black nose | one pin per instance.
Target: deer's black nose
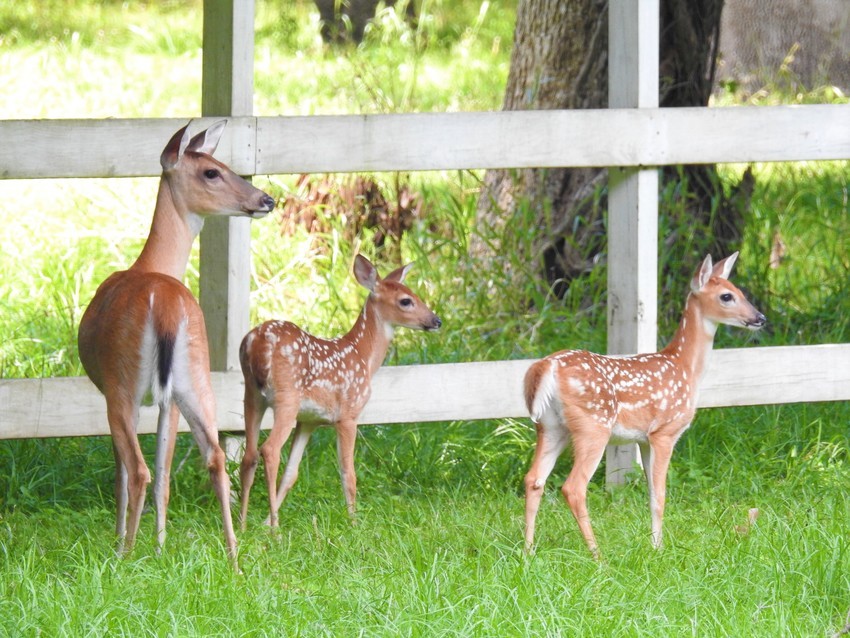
(268, 202)
(758, 322)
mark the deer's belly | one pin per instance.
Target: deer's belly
(623, 434)
(315, 406)
(313, 413)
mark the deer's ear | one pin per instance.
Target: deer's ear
(207, 141)
(399, 273)
(365, 273)
(702, 275)
(175, 148)
(723, 268)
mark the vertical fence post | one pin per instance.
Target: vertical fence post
(227, 89)
(633, 57)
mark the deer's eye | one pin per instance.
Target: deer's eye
(406, 302)
(211, 173)
(727, 297)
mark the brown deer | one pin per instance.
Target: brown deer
(310, 382)
(592, 400)
(144, 334)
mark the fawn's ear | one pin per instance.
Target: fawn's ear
(702, 275)
(399, 274)
(175, 148)
(207, 141)
(365, 273)
(723, 268)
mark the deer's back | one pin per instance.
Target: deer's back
(644, 392)
(280, 358)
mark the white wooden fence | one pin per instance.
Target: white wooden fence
(631, 140)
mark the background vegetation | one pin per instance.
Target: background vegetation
(438, 547)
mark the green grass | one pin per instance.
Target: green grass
(440, 559)
(437, 550)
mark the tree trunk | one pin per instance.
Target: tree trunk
(559, 61)
(690, 40)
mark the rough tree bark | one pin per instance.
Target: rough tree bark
(804, 44)
(559, 60)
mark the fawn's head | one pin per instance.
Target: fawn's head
(720, 300)
(394, 302)
(201, 184)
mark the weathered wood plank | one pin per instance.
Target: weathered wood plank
(632, 202)
(439, 141)
(227, 65)
(106, 148)
(442, 392)
(225, 243)
(782, 374)
(518, 139)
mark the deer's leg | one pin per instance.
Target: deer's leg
(198, 406)
(589, 441)
(133, 474)
(552, 438)
(346, 437)
(166, 437)
(120, 495)
(646, 459)
(255, 408)
(296, 452)
(285, 414)
(660, 451)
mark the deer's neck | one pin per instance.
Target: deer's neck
(693, 340)
(370, 336)
(171, 236)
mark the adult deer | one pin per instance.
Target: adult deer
(310, 382)
(144, 334)
(650, 399)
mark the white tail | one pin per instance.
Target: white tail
(648, 399)
(144, 332)
(310, 382)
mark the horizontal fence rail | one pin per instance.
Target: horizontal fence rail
(352, 143)
(31, 408)
(437, 141)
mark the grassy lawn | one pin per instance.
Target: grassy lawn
(434, 556)
(437, 549)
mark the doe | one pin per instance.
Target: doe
(311, 382)
(650, 399)
(143, 333)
